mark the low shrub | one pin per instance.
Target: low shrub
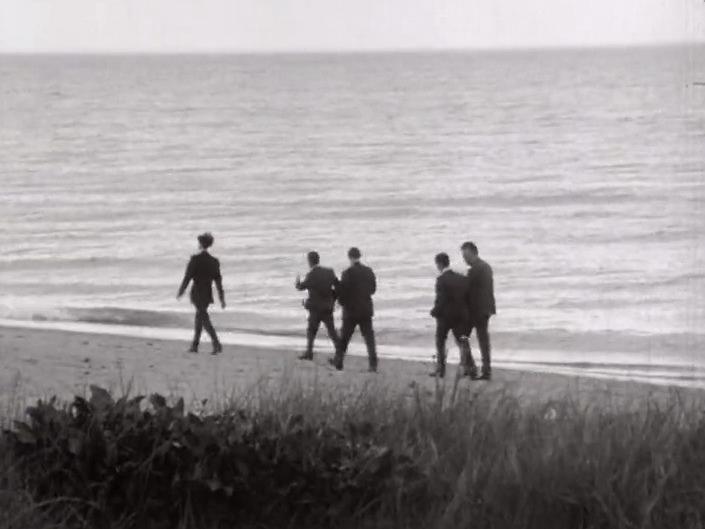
(301, 458)
(154, 466)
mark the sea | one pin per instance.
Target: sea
(580, 175)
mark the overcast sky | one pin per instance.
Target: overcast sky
(300, 25)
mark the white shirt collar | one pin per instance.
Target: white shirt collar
(446, 269)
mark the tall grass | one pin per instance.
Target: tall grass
(446, 460)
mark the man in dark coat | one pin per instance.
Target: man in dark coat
(321, 284)
(451, 312)
(357, 285)
(481, 302)
(203, 269)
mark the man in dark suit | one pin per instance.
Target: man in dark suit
(357, 285)
(203, 269)
(321, 284)
(481, 302)
(451, 313)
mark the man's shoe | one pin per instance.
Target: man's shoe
(372, 369)
(192, 350)
(437, 373)
(306, 356)
(217, 349)
(471, 374)
(335, 364)
(485, 376)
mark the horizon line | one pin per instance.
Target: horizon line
(362, 51)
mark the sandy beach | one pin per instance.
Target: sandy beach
(559, 434)
(41, 363)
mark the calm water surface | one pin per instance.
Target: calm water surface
(580, 174)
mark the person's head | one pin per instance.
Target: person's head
(205, 241)
(354, 255)
(470, 252)
(442, 261)
(313, 259)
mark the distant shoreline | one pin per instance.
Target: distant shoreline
(354, 52)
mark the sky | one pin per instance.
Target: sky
(340, 25)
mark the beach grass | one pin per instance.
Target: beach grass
(295, 455)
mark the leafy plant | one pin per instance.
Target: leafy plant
(137, 465)
(302, 458)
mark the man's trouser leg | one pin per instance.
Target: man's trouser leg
(462, 337)
(483, 337)
(197, 329)
(441, 336)
(327, 320)
(314, 322)
(346, 333)
(368, 333)
(208, 326)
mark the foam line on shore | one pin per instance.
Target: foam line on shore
(659, 375)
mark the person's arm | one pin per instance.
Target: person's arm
(487, 272)
(335, 287)
(373, 282)
(440, 300)
(342, 288)
(490, 283)
(302, 285)
(468, 288)
(188, 275)
(219, 283)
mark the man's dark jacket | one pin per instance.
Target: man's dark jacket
(203, 269)
(451, 304)
(321, 284)
(481, 290)
(357, 285)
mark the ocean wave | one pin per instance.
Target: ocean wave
(580, 349)
(631, 367)
(138, 318)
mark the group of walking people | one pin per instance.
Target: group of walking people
(463, 303)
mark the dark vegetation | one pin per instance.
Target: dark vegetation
(300, 459)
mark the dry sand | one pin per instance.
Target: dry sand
(41, 363)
